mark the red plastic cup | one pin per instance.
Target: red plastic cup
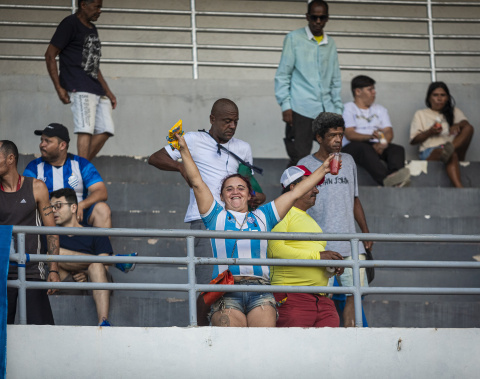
(335, 164)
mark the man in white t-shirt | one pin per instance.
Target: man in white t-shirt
(214, 163)
(368, 136)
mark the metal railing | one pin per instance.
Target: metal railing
(429, 20)
(191, 261)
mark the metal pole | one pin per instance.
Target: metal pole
(192, 293)
(22, 291)
(431, 42)
(357, 299)
(193, 18)
(73, 6)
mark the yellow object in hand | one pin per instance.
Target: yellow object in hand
(171, 138)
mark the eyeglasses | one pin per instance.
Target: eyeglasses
(58, 205)
(322, 18)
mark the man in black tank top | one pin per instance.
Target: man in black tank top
(25, 201)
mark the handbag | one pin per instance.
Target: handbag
(370, 270)
(225, 277)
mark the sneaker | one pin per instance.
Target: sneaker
(105, 322)
(398, 178)
(126, 267)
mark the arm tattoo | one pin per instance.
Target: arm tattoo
(52, 246)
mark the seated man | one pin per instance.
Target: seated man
(301, 309)
(60, 169)
(64, 205)
(368, 136)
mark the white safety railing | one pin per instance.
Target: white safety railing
(425, 7)
(191, 261)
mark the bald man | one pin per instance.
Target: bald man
(214, 164)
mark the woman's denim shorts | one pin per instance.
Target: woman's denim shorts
(244, 301)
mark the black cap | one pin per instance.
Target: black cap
(55, 130)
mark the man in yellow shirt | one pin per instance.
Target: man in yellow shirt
(301, 309)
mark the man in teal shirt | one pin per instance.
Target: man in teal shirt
(307, 81)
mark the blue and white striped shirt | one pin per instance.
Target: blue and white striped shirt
(76, 173)
(262, 219)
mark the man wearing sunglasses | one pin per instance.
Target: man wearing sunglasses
(307, 81)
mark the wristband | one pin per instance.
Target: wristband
(55, 271)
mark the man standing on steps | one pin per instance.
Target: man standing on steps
(24, 201)
(214, 163)
(307, 81)
(338, 206)
(81, 82)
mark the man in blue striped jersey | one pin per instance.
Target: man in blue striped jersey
(60, 169)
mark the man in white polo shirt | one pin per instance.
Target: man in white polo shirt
(214, 163)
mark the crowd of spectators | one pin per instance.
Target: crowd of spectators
(307, 87)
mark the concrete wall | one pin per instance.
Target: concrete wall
(91, 352)
(147, 108)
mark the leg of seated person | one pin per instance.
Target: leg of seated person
(394, 155)
(98, 274)
(229, 318)
(435, 155)
(349, 313)
(365, 155)
(327, 315)
(101, 216)
(262, 316)
(462, 140)
(453, 171)
(71, 266)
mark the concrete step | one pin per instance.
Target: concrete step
(152, 312)
(423, 224)
(124, 311)
(422, 314)
(136, 170)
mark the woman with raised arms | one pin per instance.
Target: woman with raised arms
(240, 309)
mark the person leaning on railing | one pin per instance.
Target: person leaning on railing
(442, 131)
(239, 309)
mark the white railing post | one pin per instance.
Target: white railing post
(431, 42)
(357, 298)
(193, 18)
(192, 293)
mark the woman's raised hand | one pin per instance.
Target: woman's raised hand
(181, 140)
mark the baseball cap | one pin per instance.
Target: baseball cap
(293, 173)
(55, 130)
